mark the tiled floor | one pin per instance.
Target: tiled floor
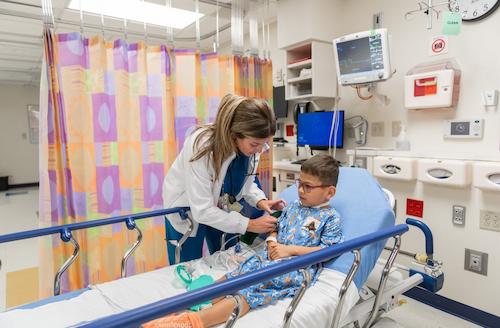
(414, 314)
(18, 212)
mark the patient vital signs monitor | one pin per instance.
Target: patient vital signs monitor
(362, 57)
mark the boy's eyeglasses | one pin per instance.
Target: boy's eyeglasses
(307, 187)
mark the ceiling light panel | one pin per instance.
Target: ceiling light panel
(140, 11)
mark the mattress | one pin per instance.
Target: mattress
(120, 295)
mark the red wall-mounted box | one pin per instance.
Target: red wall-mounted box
(415, 207)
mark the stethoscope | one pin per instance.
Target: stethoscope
(264, 149)
(251, 168)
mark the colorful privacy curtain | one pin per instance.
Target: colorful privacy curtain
(116, 116)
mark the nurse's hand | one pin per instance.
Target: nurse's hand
(271, 205)
(265, 223)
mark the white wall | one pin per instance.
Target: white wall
(409, 46)
(18, 157)
(18, 213)
(476, 50)
(299, 21)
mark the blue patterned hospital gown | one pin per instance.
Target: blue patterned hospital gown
(298, 225)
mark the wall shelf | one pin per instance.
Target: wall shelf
(317, 57)
(300, 79)
(302, 64)
(307, 97)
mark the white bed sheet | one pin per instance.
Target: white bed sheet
(124, 294)
(87, 306)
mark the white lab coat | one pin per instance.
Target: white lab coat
(193, 184)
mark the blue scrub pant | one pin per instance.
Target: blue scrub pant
(193, 247)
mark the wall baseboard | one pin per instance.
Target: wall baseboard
(24, 185)
(455, 308)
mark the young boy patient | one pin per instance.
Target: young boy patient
(306, 225)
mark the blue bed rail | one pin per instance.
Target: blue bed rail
(433, 276)
(65, 233)
(429, 242)
(135, 317)
(64, 229)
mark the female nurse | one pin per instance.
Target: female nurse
(215, 169)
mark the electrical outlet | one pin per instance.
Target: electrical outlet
(476, 261)
(458, 215)
(396, 128)
(489, 220)
(377, 129)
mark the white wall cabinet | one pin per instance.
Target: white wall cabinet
(284, 176)
(310, 70)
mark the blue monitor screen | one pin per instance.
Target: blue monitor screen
(314, 128)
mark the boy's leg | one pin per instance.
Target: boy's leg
(184, 319)
(220, 311)
(192, 248)
(217, 314)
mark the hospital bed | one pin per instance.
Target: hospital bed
(353, 281)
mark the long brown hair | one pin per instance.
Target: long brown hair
(237, 117)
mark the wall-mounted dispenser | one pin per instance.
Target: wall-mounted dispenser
(396, 168)
(300, 108)
(487, 176)
(452, 173)
(359, 126)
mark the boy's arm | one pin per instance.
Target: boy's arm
(332, 233)
(278, 251)
(297, 250)
(272, 237)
